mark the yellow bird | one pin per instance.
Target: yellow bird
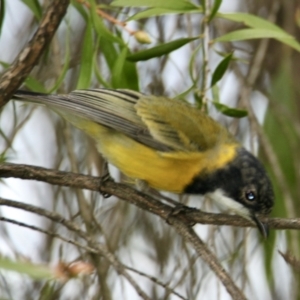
(168, 144)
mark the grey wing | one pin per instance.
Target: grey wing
(112, 108)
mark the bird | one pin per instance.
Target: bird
(168, 144)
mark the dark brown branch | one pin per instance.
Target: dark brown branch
(128, 194)
(29, 56)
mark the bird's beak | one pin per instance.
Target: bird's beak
(263, 228)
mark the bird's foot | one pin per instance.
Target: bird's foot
(182, 209)
(106, 177)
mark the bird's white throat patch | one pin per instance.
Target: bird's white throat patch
(229, 203)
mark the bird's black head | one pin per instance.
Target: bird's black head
(243, 186)
(248, 183)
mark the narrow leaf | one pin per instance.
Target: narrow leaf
(251, 21)
(109, 51)
(290, 42)
(132, 79)
(221, 69)
(124, 73)
(216, 93)
(248, 34)
(178, 4)
(3, 159)
(214, 9)
(2, 14)
(160, 50)
(34, 85)
(100, 28)
(34, 271)
(118, 76)
(228, 111)
(86, 64)
(4, 64)
(154, 12)
(263, 29)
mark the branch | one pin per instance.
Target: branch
(8, 170)
(29, 56)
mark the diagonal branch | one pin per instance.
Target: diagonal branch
(124, 192)
(29, 56)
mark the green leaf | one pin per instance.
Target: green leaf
(214, 10)
(154, 12)
(34, 85)
(2, 14)
(132, 79)
(251, 21)
(203, 3)
(118, 76)
(248, 34)
(4, 64)
(34, 271)
(198, 99)
(100, 28)
(184, 94)
(86, 64)
(35, 7)
(261, 29)
(171, 4)
(160, 50)
(3, 157)
(194, 73)
(228, 111)
(221, 69)
(96, 64)
(216, 93)
(124, 73)
(109, 51)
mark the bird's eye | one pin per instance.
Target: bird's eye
(250, 196)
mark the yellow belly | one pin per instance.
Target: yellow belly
(167, 171)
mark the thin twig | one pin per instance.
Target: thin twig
(50, 233)
(100, 248)
(156, 281)
(108, 17)
(205, 52)
(189, 235)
